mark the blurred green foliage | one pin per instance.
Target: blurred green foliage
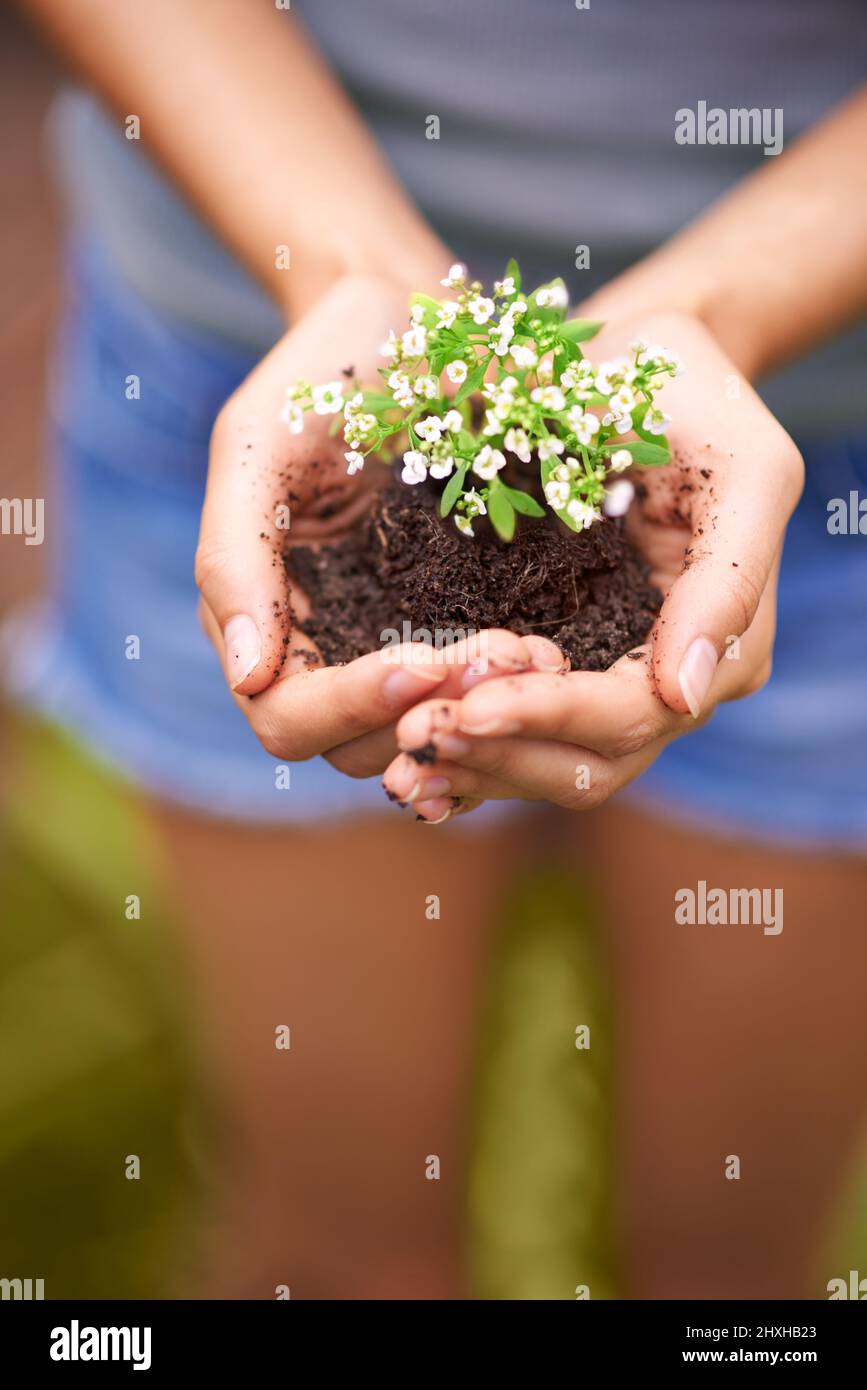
(93, 1060)
(540, 1197)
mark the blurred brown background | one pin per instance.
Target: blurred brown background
(29, 278)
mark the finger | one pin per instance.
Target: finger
(737, 519)
(471, 662)
(445, 809)
(258, 470)
(533, 770)
(239, 567)
(312, 711)
(409, 782)
(613, 712)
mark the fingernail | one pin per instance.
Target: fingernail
(452, 745)
(501, 664)
(489, 726)
(437, 809)
(431, 789)
(243, 648)
(410, 681)
(696, 673)
(545, 655)
(544, 664)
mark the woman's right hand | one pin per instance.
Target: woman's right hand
(297, 707)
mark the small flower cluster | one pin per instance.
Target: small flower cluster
(475, 380)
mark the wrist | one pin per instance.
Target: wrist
(409, 264)
(649, 291)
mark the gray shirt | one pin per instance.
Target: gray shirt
(557, 130)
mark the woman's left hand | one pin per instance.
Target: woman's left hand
(711, 526)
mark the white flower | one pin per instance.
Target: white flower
(391, 347)
(583, 423)
(623, 401)
(447, 313)
(353, 405)
(501, 337)
(293, 416)
(414, 467)
(488, 462)
(549, 397)
(414, 341)
(620, 460)
(452, 421)
(464, 524)
(621, 424)
(618, 498)
(328, 399)
(429, 429)
(561, 472)
(607, 378)
(426, 386)
(354, 461)
(516, 442)
(441, 468)
(556, 494)
(582, 513)
(401, 388)
(455, 276)
(480, 308)
(578, 377)
(494, 424)
(505, 288)
(456, 371)
(552, 296)
(365, 424)
(475, 503)
(524, 356)
(549, 447)
(655, 421)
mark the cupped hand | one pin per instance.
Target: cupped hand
(711, 527)
(267, 485)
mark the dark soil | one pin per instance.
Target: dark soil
(589, 592)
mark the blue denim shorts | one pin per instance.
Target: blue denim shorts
(122, 518)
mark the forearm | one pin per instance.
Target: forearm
(777, 265)
(238, 107)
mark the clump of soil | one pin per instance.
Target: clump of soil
(589, 592)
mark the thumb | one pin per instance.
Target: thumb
(239, 566)
(709, 604)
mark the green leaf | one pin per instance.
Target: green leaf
(645, 455)
(513, 270)
(474, 379)
(376, 401)
(429, 305)
(579, 330)
(453, 487)
(523, 502)
(500, 510)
